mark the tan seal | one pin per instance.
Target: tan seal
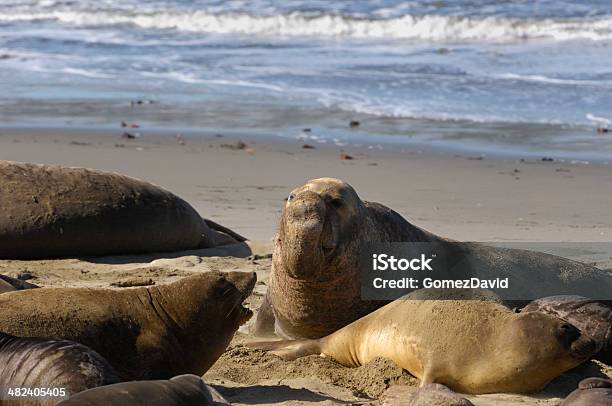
(315, 285)
(53, 211)
(155, 332)
(471, 346)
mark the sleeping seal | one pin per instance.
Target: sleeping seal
(471, 346)
(53, 211)
(154, 332)
(315, 288)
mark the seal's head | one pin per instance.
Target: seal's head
(543, 346)
(321, 219)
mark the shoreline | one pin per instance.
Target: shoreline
(460, 196)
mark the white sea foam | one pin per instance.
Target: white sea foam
(429, 27)
(555, 81)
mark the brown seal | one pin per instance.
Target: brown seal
(155, 332)
(315, 284)
(590, 392)
(48, 363)
(591, 317)
(8, 284)
(183, 390)
(53, 211)
(471, 346)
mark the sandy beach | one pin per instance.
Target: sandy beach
(241, 182)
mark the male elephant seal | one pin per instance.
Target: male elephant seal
(46, 363)
(591, 392)
(471, 346)
(8, 284)
(314, 287)
(591, 317)
(52, 211)
(155, 332)
(184, 390)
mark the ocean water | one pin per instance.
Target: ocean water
(491, 76)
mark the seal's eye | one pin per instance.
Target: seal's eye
(291, 197)
(337, 202)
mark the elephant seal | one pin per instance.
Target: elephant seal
(154, 332)
(315, 288)
(183, 390)
(471, 346)
(53, 211)
(45, 363)
(591, 317)
(8, 284)
(590, 392)
(433, 394)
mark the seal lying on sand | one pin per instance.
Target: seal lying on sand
(314, 287)
(591, 317)
(184, 390)
(471, 346)
(46, 363)
(52, 211)
(8, 284)
(591, 392)
(155, 332)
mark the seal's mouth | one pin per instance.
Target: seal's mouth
(245, 283)
(245, 315)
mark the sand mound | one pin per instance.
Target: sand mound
(249, 366)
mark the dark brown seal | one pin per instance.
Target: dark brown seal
(591, 392)
(592, 317)
(155, 332)
(48, 363)
(53, 211)
(184, 390)
(315, 284)
(8, 284)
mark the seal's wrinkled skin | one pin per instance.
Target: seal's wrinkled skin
(155, 332)
(314, 286)
(591, 392)
(471, 346)
(591, 317)
(53, 211)
(47, 363)
(184, 390)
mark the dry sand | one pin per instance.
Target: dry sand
(243, 187)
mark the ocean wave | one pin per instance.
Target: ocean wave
(428, 27)
(554, 81)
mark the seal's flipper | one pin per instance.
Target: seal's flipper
(264, 324)
(221, 229)
(289, 350)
